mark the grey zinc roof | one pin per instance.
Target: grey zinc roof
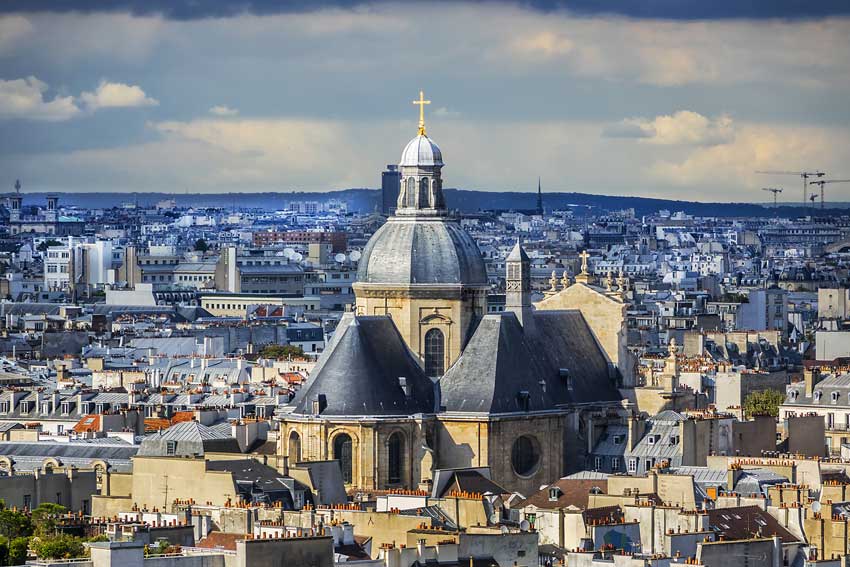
(191, 438)
(421, 251)
(556, 362)
(359, 371)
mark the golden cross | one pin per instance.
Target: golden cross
(421, 102)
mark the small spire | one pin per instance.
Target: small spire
(422, 102)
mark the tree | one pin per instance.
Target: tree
(45, 244)
(44, 518)
(18, 548)
(763, 402)
(60, 546)
(282, 351)
(201, 245)
(14, 524)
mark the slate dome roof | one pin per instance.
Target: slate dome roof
(421, 151)
(421, 251)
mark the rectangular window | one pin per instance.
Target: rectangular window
(632, 465)
(171, 448)
(599, 462)
(615, 464)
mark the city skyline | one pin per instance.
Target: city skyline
(617, 101)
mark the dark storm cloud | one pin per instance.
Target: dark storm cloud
(663, 9)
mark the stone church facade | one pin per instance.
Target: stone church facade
(420, 378)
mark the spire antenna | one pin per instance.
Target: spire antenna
(422, 102)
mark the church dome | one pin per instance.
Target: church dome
(420, 250)
(421, 151)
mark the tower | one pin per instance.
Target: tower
(390, 186)
(539, 198)
(50, 213)
(15, 201)
(518, 285)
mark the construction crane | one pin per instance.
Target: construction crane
(823, 182)
(804, 174)
(775, 193)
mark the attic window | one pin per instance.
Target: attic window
(818, 395)
(554, 493)
(834, 397)
(674, 439)
(650, 440)
(171, 448)
(523, 400)
(618, 439)
(567, 378)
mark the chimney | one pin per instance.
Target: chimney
(812, 377)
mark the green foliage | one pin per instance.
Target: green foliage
(60, 546)
(18, 550)
(201, 245)
(14, 524)
(763, 402)
(282, 351)
(45, 244)
(99, 537)
(44, 518)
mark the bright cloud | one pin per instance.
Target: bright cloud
(223, 110)
(25, 98)
(116, 95)
(684, 127)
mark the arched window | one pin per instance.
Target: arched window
(424, 189)
(395, 447)
(410, 193)
(294, 447)
(342, 453)
(435, 353)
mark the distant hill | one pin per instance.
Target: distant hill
(366, 200)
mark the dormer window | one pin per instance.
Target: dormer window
(554, 493)
(4, 407)
(835, 397)
(674, 439)
(567, 378)
(618, 439)
(523, 400)
(651, 439)
(818, 395)
(66, 408)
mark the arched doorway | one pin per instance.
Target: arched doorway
(435, 353)
(294, 447)
(395, 458)
(342, 453)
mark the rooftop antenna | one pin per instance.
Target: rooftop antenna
(18, 186)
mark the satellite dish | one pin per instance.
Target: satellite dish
(524, 525)
(816, 507)
(296, 257)
(288, 252)
(354, 256)
(340, 258)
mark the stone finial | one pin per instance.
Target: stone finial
(565, 280)
(553, 282)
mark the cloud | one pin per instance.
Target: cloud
(223, 110)
(682, 128)
(546, 44)
(116, 95)
(670, 9)
(24, 98)
(13, 29)
(756, 147)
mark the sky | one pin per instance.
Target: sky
(662, 98)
